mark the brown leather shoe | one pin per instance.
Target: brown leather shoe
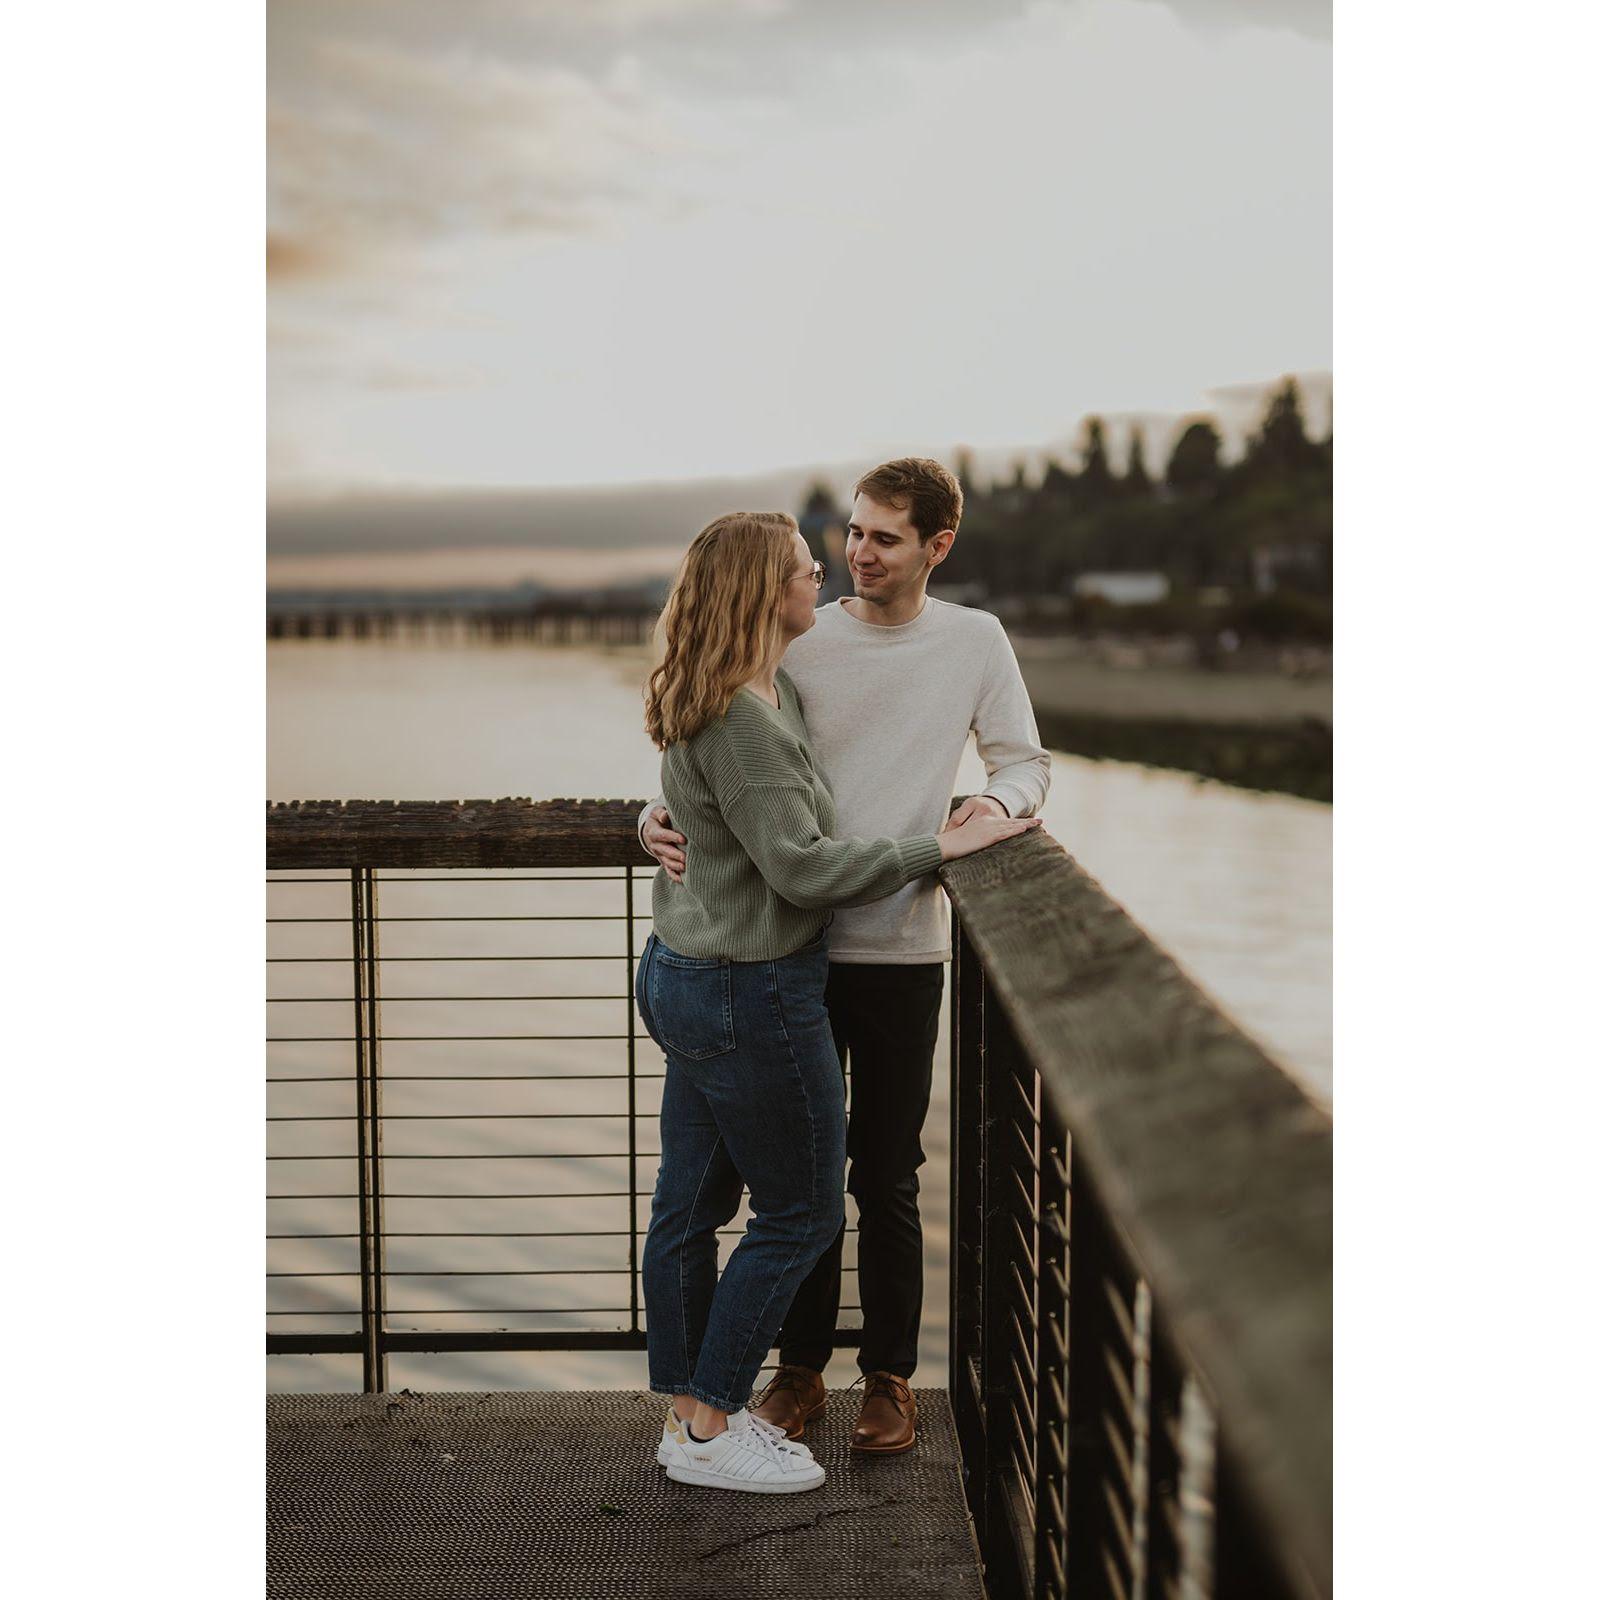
(793, 1397)
(888, 1421)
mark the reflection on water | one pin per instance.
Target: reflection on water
(1235, 885)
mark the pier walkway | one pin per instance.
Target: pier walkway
(461, 1153)
(558, 1496)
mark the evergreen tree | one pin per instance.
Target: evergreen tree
(1057, 480)
(1136, 480)
(1196, 459)
(1095, 481)
(1281, 447)
(820, 505)
(1214, 526)
(1323, 449)
(821, 519)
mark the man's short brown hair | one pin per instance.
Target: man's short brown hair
(922, 487)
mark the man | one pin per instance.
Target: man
(891, 683)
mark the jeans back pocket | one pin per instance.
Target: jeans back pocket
(690, 1004)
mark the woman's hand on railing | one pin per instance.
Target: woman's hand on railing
(978, 833)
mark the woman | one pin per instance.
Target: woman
(730, 986)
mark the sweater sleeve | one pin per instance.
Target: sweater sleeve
(777, 825)
(644, 816)
(1018, 766)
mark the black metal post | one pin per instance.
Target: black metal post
(358, 930)
(1009, 1552)
(1091, 1467)
(1050, 1484)
(1182, 1473)
(1139, 1554)
(369, 1129)
(966, 1219)
(375, 1143)
(633, 1110)
(1243, 1562)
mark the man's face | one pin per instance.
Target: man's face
(886, 557)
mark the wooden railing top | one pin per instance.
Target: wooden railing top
(1216, 1166)
(454, 833)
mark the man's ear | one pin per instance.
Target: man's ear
(939, 545)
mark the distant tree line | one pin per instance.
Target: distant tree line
(1259, 528)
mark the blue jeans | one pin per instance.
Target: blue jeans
(753, 1098)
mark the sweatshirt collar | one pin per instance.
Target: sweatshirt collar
(891, 631)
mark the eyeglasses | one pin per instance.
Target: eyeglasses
(818, 574)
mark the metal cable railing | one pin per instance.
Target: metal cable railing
(1105, 1446)
(558, 1083)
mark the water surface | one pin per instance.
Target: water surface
(1235, 885)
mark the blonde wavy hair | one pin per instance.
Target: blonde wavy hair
(721, 622)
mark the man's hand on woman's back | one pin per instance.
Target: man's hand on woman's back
(665, 845)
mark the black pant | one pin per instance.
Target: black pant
(885, 1022)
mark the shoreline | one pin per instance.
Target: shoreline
(1273, 758)
(1267, 731)
(1262, 730)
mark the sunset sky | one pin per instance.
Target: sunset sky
(542, 242)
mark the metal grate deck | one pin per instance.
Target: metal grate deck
(558, 1496)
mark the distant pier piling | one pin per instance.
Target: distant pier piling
(552, 620)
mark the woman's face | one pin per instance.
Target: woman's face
(800, 593)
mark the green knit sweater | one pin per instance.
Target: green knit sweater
(762, 873)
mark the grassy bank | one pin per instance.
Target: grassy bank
(1258, 730)
(1285, 758)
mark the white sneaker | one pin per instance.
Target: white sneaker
(748, 1454)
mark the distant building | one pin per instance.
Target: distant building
(1271, 564)
(1123, 588)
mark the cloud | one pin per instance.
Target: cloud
(397, 376)
(384, 149)
(507, 237)
(1313, 18)
(298, 259)
(633, 13)
(394, 126)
